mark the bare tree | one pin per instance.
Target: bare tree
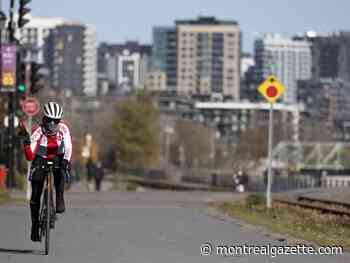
(194, 141)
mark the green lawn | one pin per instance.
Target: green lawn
(4, 197)
(295, 222)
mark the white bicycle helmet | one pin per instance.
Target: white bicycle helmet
(53, 110)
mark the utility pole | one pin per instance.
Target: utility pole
(10, 25)
(11, 111)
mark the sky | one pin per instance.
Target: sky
(122, 20)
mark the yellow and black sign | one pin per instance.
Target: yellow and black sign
(271, 89)
(8, 79)
(8, 67)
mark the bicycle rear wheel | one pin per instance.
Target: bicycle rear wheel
(52, 211)
(42, 218)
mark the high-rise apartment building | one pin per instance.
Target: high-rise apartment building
(156, 81)
(328, 102)
(124, 66)
(203, 58)
(164, 54)
(208, 57)
(290, 60)
(331, 56)
(34, 34)
(71, 56)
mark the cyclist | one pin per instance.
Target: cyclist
(50, 140)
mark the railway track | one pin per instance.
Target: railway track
(324, 206)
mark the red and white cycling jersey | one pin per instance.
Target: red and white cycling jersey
(50, 146)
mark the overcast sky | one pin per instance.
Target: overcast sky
(118, 21)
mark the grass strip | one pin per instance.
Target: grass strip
(305, 224)
(4, 197)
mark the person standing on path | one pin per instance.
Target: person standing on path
(99, 175)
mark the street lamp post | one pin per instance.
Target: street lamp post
(11, 108)
(168, 131)
(3, 19)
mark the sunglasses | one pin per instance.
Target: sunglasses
(49, 120)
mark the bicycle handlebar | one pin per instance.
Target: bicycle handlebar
(49, 164)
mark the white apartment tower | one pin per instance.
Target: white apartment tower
(125, 65)
(288, 59)
(90, 61)
(33, 36)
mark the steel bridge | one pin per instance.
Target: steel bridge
(312, 155)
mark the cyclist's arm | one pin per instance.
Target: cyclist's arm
(67, 142)
(31, 149)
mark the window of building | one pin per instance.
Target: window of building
(60, 60)
(70, 38)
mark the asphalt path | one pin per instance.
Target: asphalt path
(139, 227)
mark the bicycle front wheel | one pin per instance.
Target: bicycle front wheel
(47, 223)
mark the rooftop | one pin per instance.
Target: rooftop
(206, 20)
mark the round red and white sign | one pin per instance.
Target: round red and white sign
(31, 106)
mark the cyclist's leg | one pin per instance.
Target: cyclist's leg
(59, 189)
(37, 188)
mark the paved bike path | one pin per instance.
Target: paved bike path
(152, 227)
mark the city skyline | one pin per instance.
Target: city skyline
(131, 20)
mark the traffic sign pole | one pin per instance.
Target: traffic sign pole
(269, 174)
(271, 89)
(29, 188)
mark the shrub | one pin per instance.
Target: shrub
(20, 181)
(131, 186)
(254, 200)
